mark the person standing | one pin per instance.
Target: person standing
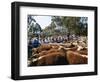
(35, 43)
(29, 48)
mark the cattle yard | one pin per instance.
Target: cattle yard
(57, 40)
(67, 53)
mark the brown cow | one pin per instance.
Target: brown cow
(71, 49)
(68, 45)
(55, 46)
(45, 52)
(54, 58)
(42, 48)
(59, 55)
(76, 58)
(82, 50)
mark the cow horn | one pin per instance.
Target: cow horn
(34, 60)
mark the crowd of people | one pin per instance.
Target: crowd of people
(58, 39)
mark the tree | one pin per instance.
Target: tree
(61, 25)
(71, 23)
(57, 20)
(33, 27)
(83, 25)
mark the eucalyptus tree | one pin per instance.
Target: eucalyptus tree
(33, 27)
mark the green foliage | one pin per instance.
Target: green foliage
(71, 25)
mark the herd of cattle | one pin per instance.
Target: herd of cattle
(59, 54)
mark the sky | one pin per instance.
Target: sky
(43, 21)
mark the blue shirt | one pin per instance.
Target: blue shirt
(35, 43)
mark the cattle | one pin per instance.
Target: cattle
(44, 47)
(82, 43)
(44, 52)
(59, 54)
(76, 58)
(55, 46)
(82, 50)
(52, 58)
(68, 45)
(71, 49)
(40, 54)
(41, 48)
